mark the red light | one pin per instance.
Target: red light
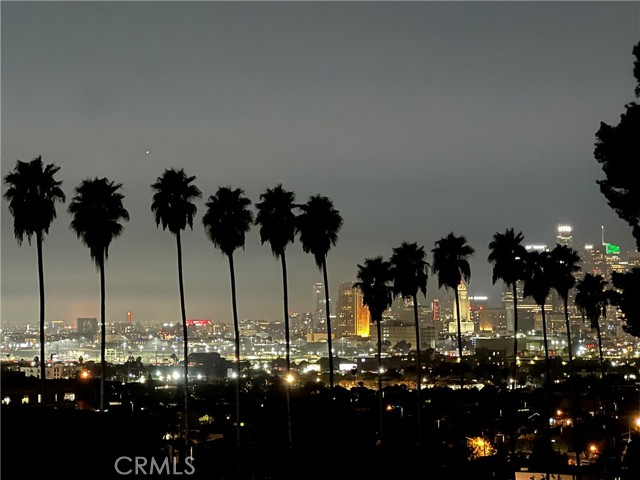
(199, 323)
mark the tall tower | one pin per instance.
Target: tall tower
(565, 235)
(465, 307)
(318, 306)
(317, 297)
(352, 317)
(593, 260)
(362, 315)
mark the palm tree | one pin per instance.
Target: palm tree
(564, 265)
(375, 277)
(277, 227)
(226, 222)
(409, 268)
(508, 256)
(97, 212)
(32, 197)
(592, 299)
(451, 265)
(174, 208)
(537, 284)
(318, 224)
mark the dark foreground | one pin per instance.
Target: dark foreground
(333, 438)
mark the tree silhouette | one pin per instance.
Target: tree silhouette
(564, 263)
(508, 259)
(226, 223)
(278, 227)
(375, 281)
(318, 224)
(32, 195)
(409, 269)
(97, 212)
(626, 298)
(451, 266)
(617, 147)
(591, 299)
(507, 254)
(174, 209)
(537, 284)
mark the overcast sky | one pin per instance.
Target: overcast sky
(417, 119)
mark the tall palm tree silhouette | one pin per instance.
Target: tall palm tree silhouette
(32, 195)
(564, 262)
(97, 212)
(410, 272)
(537, 284)
(375, 281)
(278, 227)
(451, 266)
(174, 209)
(508, 258)
(318, 224)
(592, 299)
(226, 223)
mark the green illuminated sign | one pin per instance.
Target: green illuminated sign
(612, 249)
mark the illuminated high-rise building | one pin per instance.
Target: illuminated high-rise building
(592, 260)
(319, 307)
(565, 235)
(352, 316)
(634, 260)
(466, 324)
(527, 309)
(317, 294)
(613, 260)
(463, 298)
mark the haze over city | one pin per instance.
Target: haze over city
(417, 119)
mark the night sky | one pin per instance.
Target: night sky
(417, 119)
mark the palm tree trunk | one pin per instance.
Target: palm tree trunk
(287, 340)
(515, 335)
(43, 361)
(236, 330)
(568, 325)
(103, 333)
(380, 409)
(574, 397)
(514, 438)
(459, 339)
(547, 383)
(600, 348)
(185, 344)
(285, 295)
(329, 330)
(419, 367)
(547, 368)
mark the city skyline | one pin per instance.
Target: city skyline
(416, 119)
